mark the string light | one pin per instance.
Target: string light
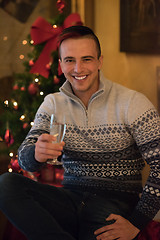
(15, 104)
(22, 117)
(54, 26)
(5, 38)
(11, 154)
(21, 56)
(24, 42)
(41, 93)
(31, 42)
(6, 102)
(36, 80)
(10, 170)
(32, 123)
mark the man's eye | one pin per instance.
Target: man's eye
(68, 60)
(87, 59)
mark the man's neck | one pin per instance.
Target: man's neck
(85, 96)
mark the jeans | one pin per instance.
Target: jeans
(42, 211)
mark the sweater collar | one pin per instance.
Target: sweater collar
(104, 87)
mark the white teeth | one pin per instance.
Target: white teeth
(80, 78)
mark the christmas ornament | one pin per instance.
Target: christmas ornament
(15, 87)
(42, 31)
(8, 137)
(56, 79)
(31, 63)
(33, 88)
(60, 5)
(25, 125)
(23, 88)
(14, 165)
(48, 66)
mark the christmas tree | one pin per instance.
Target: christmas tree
(42, 76)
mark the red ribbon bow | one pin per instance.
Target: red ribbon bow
(42, 31)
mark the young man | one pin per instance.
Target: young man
(110, 131)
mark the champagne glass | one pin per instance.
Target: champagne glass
(57, 129)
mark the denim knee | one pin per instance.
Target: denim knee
(5, 178)
(7, 183)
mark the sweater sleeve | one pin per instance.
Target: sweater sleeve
(26, 152)
(145, 128)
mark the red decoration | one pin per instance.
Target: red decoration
(56, 79)
(32, 175)
(42, 31)
(48, 66)
(25, 125)
(60, 5)
(23, 88)
(47, 173)
(15, 87)
(33, 88)
(8, 137)
(59, 173)
(150, 232)
(31, 63)
(14, 165)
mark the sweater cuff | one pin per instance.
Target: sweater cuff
(139, 220)
(30, 154)
(28, 162)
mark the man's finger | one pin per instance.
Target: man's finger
(103, 229)
(113, 217)
(46, 137)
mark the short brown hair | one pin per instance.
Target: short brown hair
(80, 32)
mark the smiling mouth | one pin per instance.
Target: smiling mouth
(80, 78)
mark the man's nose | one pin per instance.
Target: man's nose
(78, 67)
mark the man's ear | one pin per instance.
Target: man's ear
(60, 65)
(60, 62)
(100, 62)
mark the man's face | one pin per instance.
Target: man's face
(80, 64)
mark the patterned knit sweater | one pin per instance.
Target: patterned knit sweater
(105, 144)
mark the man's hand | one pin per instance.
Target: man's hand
(46, 149)
(121, 229)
